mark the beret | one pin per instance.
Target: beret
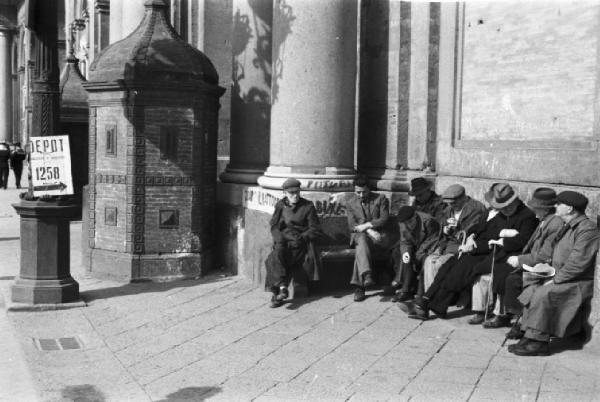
(573, 199)
(291, 184)
(453, 192)
(405, 213)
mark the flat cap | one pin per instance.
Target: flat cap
(453, 192)
(291, 184)
(573, 199)
(405, 213)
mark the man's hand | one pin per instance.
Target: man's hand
(375, 235)
(498, 242)
(513, 261)
(362, 227)
(508, 233)
(469, 245)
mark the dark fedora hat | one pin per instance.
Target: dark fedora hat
(542, 197)
(419, 185)
(500, 195)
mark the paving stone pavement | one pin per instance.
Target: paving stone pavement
(216, 339)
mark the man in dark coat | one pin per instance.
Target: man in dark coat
(426, 200)
(507, 281)
(509, 231)
(294, 227)
(462, 216)
(368, 221)
(554, 307)
(17, 156)
(4, 168)
(418, 234)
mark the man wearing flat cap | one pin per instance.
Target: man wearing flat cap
(554, 308)
(418, 234)
(509, 231)
(508, 276)
(426, 200)
(368, 221)
(294, 227)
(461, 217)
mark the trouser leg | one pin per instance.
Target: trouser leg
(362, 259)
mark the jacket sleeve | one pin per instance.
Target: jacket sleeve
(583, 254)
(314, 226)
(432, 229)
(543, 253)
(384, 213)
(407, 239)
(275, 224)
(353, 219)
(526, 227)
(473, 220)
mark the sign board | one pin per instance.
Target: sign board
(50, 159)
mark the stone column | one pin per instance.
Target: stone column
(250, 91)
(125, 16)
(313, 94)
(398, 92)
(6, 83)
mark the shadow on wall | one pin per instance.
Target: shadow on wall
(284, 15)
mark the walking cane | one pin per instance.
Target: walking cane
(489, 295)
(462, 236)
(511, 330)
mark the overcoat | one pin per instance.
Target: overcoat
(434, 206)
(554, 308)
(418, 241)
(472, 217)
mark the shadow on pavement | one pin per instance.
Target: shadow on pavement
(83, 393)
(135, 288)
(192, 394)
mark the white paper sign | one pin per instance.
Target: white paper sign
(50, 159)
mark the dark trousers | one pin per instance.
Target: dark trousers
(4, 176)
(18, 170)
(512, 289)
(284, 263)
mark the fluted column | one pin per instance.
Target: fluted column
(6, 84)
(313, 94)
(250, 91)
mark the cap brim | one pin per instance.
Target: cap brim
(534, 203)
(419, 192)
(292, 189)
(499, 205)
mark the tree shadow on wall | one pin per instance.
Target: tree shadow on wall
(284, 14)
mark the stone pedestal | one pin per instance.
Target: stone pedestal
(44, 277)
(313, 95)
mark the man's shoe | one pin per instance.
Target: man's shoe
(276, 303)
(283, 294)
(515, 333)
(498, 321)
(532, 348)
(520, 343)
(477, 319)
(420, 313)
(359, 295)
(402, 297)
(368, 280)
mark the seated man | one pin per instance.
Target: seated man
(426, 200)
(462, 215)
(553, 308)
(294, 226)
(508, 282)
(418, 233)
(368, 216)
(457, 275)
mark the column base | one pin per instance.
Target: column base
(394, 179)
(45, 291)
(329, 179)
(242, 176)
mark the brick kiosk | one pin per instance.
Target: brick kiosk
(153, 103)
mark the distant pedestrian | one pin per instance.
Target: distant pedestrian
(4, 168)
(294, 227)
(17, 156)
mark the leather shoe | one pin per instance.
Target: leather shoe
(283, 294)
(498, 321)
(368, 280)
(477, 319)
(275, 303)
(359, 295)
(402, 297)
(420, 313)
(532, 348)
(520, 343)
(515, 333)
